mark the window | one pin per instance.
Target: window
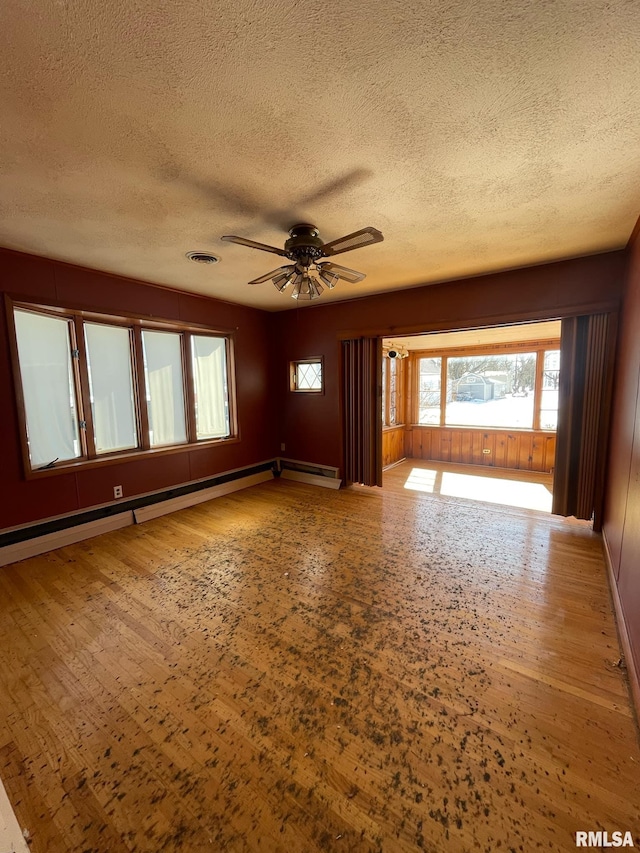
(429, 389)
(48, 387)
(549, 394)
(210, 385)
(94, 387)
(111, 387)
(392, 396)
(306, 375)
(497, 390)
(165, 387)
(491, 390)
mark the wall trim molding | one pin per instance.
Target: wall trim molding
(632, 665)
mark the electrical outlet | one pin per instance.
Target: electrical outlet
(117, 491)
(486, 450)
(283, 447)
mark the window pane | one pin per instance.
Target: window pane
(429, 379)
(491, 390)
(44, 353)
(549, 396)
(111, 387)
(385, 370)
(165, 389)
(309, 376)
(393, 390)
(209, 359)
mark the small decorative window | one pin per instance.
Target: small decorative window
(306, 376)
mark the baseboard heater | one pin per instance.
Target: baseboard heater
(31, 540)
(325, 476)
(34, 539)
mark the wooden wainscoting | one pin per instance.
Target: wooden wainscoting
(392, 445)
(521, 449)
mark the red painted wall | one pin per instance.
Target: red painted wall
(310, 424)
(27, 277)
(622, 507)
(269, 413)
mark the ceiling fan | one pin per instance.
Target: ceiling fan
(305, 248)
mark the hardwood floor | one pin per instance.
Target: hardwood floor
(296, 669)
(498, 486)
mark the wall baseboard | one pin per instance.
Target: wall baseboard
(632, 665)
(394, 464)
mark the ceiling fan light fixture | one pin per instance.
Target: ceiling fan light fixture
(329, 278)
(305, 248)
(281, 280)
(307, 288)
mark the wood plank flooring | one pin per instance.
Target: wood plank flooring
(296, 669)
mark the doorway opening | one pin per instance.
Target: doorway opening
(473, 414)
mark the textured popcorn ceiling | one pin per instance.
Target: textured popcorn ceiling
(476, 134)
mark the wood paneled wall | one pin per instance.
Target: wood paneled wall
(392, 445)
(521, 449)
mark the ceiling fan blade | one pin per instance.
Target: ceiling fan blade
(364, 237)
(274, 273)
(343, 272)
(242, 241)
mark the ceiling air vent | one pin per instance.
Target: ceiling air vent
(202, 257)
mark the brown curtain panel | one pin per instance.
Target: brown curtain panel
(586, 373)
(362, 413)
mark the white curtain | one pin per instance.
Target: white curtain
(44, 353)
(165, 391)
(210, 381)
(112, 400)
